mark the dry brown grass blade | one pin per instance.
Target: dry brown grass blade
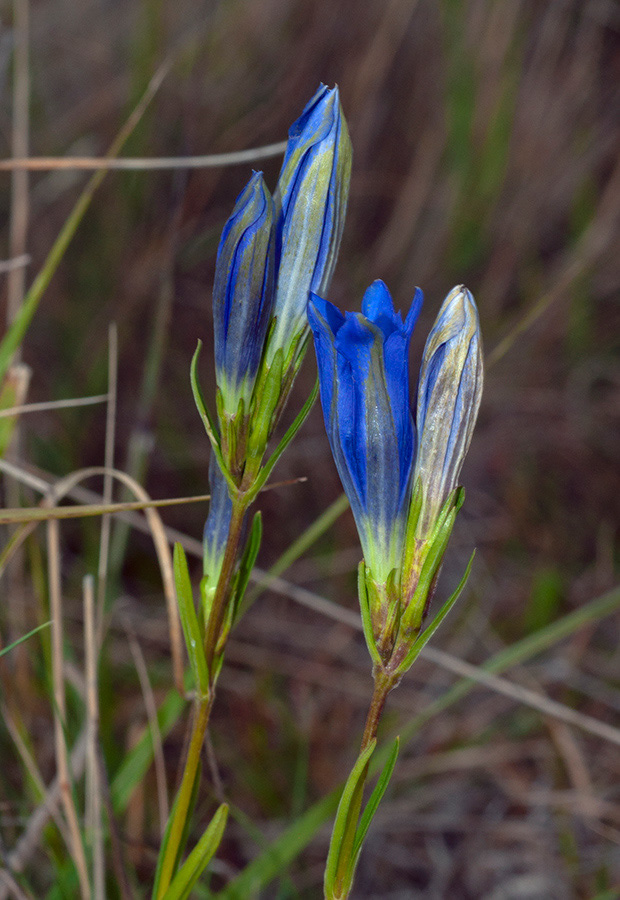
(88, 163)
(17, 262)
(53, 404)
(58, 681)
(93, 783)
(162, 548)
(154, 525)
(108, 482)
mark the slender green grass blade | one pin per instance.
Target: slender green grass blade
(15, 334)
(300, 546)
(281, 853)
(23, 638)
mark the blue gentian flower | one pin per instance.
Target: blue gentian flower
(364, 378)
(398, 476)
(243, 293)
(311, 200)
(449, 395)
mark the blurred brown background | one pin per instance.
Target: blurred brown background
(486, 141)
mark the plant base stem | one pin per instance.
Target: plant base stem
(383, 685)
(202, 711)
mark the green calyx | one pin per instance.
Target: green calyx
(381, 609)
(393, 611)
(262, 415)
(423, 559)
(233, 434)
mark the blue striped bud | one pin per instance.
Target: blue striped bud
(449, 395)
(311, 200)
(243, 294)
(217, 524)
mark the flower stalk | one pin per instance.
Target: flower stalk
(272, 252)
(400, 473)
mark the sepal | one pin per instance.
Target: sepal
(207, 418)
(427, 634)
(290, 433)
(384, 606)
(369, 633)
(423, 561)
(265, 403)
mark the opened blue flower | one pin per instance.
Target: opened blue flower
(243, 293)
(449, 395)
(400, 479)
(311, 200)
(364, 378)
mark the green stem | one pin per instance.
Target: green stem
(222, 591)
(202, 711)
(383, 685)
(384, 682)
(202, 708)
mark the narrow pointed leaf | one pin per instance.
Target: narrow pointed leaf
(426, 635)
(286, 440)
(345, 824)
(247, 561)
(199, 858)
(365, 611)
(374, 800)
(189, 621)
(184, 835)
(205, 415)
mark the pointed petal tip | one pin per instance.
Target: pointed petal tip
(377, 301)
(414, 310)
(321, 311)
